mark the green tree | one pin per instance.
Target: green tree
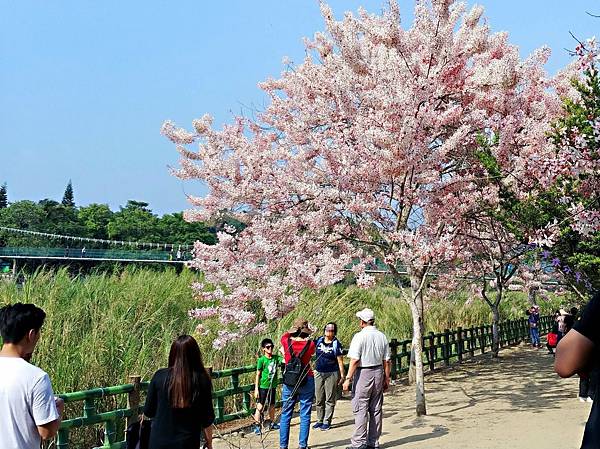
(577, 254)
(95, 219)
(174, 229)
(60, 219)
(68, 197)
(26, 215)
(3, 197)
(134, 222)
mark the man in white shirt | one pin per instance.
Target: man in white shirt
(29, 412)
(369, 370)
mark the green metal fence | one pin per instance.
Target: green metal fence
(235, 401)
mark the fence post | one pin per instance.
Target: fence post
(89, 407)
(471, 342)
(446, 347)
(133, 400)
(235, 381)
(482, 339)
(406, 353)
(110, 430)
(220, 409)
(62, 440)
(459, 344)
(394, 351)
(247, 402)
(431, 351)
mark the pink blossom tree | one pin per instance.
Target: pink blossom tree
(364, 152)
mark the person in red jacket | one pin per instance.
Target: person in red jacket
(298, 381)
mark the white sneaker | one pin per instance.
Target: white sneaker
(581, 399)
(590, 400)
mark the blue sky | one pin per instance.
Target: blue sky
(86, 85)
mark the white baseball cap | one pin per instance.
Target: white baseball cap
(366, 315)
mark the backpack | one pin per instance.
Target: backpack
(293, 374)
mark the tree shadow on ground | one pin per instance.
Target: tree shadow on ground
(436, 432)
(539, 387)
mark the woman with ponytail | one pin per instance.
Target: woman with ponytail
(180, 400)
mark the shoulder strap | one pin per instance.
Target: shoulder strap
(304, 349)
(290, 349)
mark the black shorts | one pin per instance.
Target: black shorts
(266, 397)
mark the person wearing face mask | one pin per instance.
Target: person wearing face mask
(329, 374)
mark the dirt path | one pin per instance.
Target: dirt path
(515, 403)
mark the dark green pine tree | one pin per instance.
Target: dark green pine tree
(68, 198)
(3, 197)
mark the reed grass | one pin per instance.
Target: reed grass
(102, 327)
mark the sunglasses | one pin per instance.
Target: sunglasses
(269, 347)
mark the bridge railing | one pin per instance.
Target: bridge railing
(234, 401)
(93, 253)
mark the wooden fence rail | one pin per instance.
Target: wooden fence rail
(439, 350)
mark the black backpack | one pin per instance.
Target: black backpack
(294, 374)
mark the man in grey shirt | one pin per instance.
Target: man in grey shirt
(369, 370)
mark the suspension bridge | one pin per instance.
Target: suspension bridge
(45, 247)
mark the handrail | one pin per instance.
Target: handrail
(438, 348)
(93, 253)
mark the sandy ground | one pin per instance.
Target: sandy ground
(517, 402)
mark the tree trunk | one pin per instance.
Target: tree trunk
(531, 295)
(417, 350)
(412, 370)
(495, 329)
(417, 278)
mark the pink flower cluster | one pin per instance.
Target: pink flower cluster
(367, 149)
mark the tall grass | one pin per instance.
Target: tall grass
(100, 328)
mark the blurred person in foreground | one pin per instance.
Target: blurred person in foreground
(29, 411)
(577, 353)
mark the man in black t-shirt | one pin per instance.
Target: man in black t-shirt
(578, 352)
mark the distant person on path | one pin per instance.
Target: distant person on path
(83, 252)
(369, 370)
(534, 330)
(577, 353)
(29, 411)
(266, 385)
(179, 399)
(565, 322)
(552, 337)
(329, 374)
(299, 382)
